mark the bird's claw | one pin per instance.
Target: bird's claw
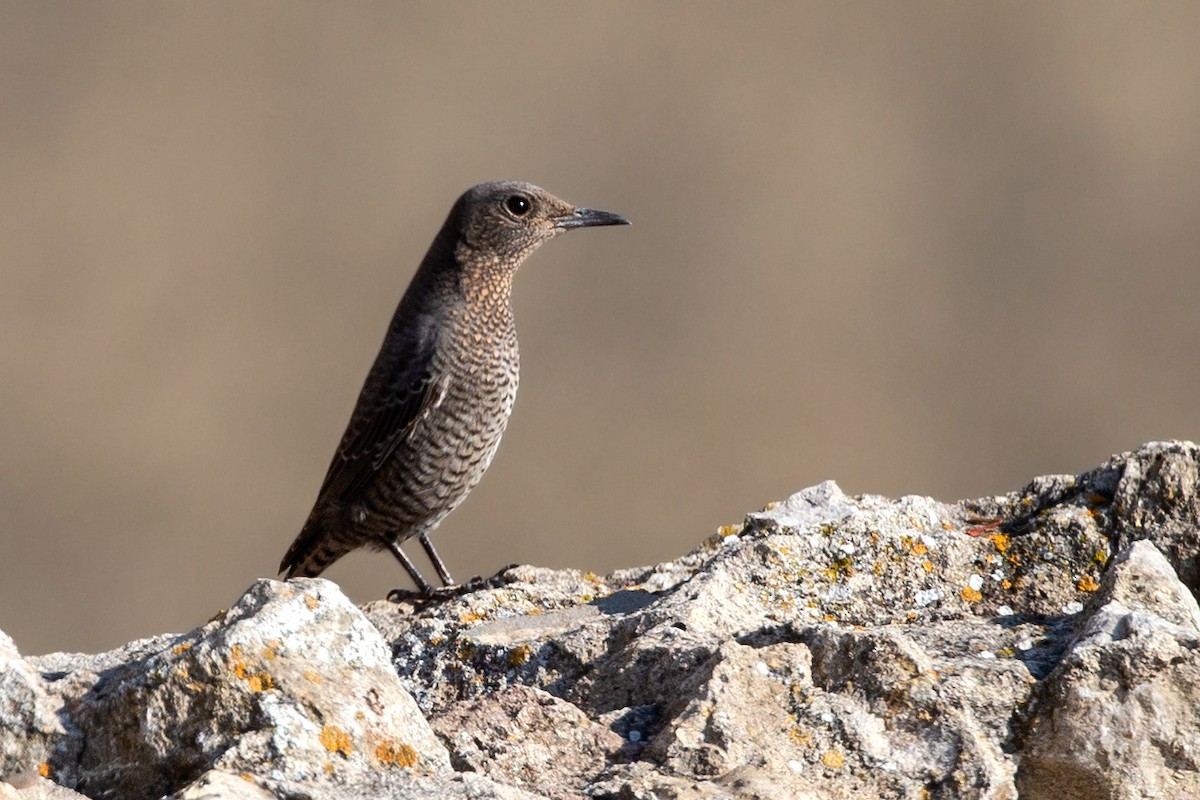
(445, 593)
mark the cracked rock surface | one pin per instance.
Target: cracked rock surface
(1039, 644)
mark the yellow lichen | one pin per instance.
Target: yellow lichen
(519, 655)
(840, 569)
(312, 676)
(180, 649)
(1000, 541)
(725, 531)
(919, 549)
(396, 754)
(971, 595)
(927, 565)
(833, 759)
(1101, 557)
(312, 601)
(336, 740)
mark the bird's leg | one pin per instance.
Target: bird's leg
(422, 584)
(438, 563)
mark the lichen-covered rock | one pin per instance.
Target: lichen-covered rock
(830, 645)
(827, 648)
(291, 683)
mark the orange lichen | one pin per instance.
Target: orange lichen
(336, 740)
(44, 769)
(833, 759)
(971, 595)
(396, 754)
(798, 737)
(919, 549)
(1087, 584)
(260, 682)
(1000, 541)
(927, 565)
(180, 649)
(312, 601)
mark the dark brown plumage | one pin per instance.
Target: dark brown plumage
(436, 401)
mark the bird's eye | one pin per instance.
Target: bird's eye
(517, 205)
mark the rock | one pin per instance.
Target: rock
(827, 647)
(30, 726)
(1120, 715)
(31, 786)
(529, 739)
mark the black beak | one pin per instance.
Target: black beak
(588, 217)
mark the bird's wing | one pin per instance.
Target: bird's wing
(387, 409)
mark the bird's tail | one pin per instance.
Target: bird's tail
(312, 552)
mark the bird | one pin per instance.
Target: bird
(436, 401)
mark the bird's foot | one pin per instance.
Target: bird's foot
(440, 595)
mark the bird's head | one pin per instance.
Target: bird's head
(501, 223)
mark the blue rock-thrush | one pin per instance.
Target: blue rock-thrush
(437, 399)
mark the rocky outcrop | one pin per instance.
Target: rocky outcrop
(1042, 644)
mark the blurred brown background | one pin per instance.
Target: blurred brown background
(918, 248)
